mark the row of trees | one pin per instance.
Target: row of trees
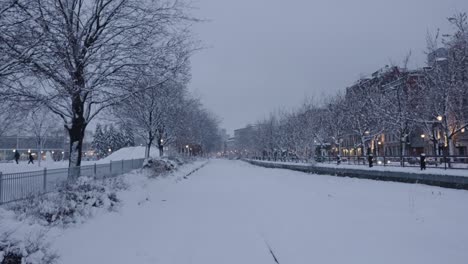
(80, 58)
(394, 100)
(166, 115)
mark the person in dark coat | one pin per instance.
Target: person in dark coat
(338, 159)
(423, 161)
(370, 158)
(31, 158)
(17, 156)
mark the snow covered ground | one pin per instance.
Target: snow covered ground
(121, 154)
(232, 212)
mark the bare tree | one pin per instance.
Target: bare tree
(446, 83)
(40, 124)
(336, 119)
(153, 114)
(77, 56)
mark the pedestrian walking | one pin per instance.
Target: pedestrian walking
(17, 156)
(370, 158)
(338, 159)
(422, 160)
(31, 158)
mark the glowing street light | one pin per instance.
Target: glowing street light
(423, 136)
(439, 118)
(14, 150)
(187, 146)
(110, 150)
(463, 130)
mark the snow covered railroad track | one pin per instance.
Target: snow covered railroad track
(228, 209)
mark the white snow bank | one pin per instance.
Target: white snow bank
(130, 153)
(28, 234)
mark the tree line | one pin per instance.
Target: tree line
(122, 59)
(394, 100)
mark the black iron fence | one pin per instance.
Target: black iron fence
(18, 186)
(447, 162)
(440, 162)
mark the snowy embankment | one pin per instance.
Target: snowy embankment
(234, 212)
(27, 228)
(432, 171)
(121, 154)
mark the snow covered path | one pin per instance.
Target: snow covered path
(229, 211)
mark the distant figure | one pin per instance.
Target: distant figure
(17, 156)
(31, 159)
(423, 161)
(338, 159)
(370, 158)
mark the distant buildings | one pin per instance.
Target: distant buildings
(417, 141)
(56, 143)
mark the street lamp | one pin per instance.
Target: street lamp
(439, 118)
(423, 136)
(463, 130)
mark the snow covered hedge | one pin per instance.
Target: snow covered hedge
(160, 167)
(73, 203)
(31, 250)
(22, 241)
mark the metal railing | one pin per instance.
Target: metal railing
(19, 186)
(441, 162)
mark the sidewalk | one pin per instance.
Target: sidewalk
(432, 171)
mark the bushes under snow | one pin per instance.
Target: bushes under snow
(73, 203)
(158, 167)
(22, 228)
(32, 250)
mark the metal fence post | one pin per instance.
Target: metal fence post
(1, 187)
(44, 183)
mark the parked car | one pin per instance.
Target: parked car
(381, 161)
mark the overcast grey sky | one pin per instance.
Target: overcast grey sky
(266, 54)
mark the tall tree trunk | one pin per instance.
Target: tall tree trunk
(148, 145)
(161, 151)
(76, 135)
(78, 125)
